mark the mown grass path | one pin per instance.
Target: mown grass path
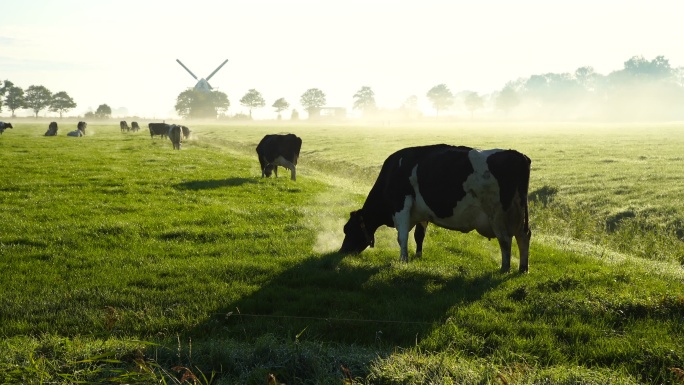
(114, 238)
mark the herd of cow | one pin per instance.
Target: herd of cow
(455, 187)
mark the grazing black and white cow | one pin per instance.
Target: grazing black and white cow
(124, 126)
(52, 129)
(186, 132)
(161, 129)
(4, 126)
(176, 136)
(458, 188)
(135, 127)
(279, 150)
(80, 130)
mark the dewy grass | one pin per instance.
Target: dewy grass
(112, 239)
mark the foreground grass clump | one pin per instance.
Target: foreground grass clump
(113, 239)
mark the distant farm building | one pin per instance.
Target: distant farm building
(328, 113)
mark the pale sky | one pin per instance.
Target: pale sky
(123, 53)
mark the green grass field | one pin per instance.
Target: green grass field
(128, 262)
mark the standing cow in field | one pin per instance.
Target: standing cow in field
(135, 127)
(124, 126)
(458, 188)
(161, 129)
(186, 132)
(176, 136)
(52, 129)
(80, 130)
(279, 150)
(4, 126)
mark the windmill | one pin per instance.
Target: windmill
(202, 84)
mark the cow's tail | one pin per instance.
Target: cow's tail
(523, 189)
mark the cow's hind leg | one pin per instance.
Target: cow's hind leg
(523, 240)
(419, 236)
(281, 161)
(505, 243)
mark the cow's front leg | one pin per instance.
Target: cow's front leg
(419, 236)
(402, 222)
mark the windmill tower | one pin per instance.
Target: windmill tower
(202, 84)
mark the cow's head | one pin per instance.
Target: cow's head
(268, 170)
(356, 235)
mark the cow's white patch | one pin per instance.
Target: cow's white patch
(280, 161)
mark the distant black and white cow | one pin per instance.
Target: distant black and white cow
(176, 136)
(279, 150)
(52, 129)
(4, 126)
(135, 127)
(458, 188)
(161, 129)
(80, 130)
(124, 126)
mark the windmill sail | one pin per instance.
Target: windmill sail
(202, 84)
(186, 68)
(216, 70)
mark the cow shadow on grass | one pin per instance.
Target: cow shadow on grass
(356, 302)
(197, 185)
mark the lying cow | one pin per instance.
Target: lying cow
(279, 150)
(458, 188)
(176, 136)
(80, 130)
(135, 127)
(52, 129)
(161, 129)
(124, 126)
(81, 126)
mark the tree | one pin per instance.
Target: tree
(507, 99)
(37, 98)
(365, 100)
(61, 102)
(441, 97)
(193, 103)
(473, 102)
(14, 99)
(103, 111)
(295, 115)
(280, 105)
(252, 99)
(3, 90)
(312, 100)
(220, 101)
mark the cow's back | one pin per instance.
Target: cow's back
(473, 190)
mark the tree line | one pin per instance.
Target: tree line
(642, 89)
(36, 98)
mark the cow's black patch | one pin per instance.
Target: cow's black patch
(440, 179)
(511, 170)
